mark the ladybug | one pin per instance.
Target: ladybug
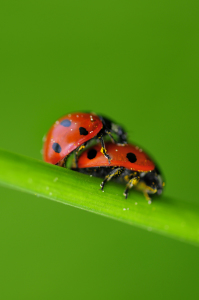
(73, 131)
(128, 163)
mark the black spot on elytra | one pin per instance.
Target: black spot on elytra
(91, 153)
(56, 147)
(83, 131)
(131, 157)
(65, 123)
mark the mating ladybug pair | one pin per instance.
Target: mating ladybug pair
(115, 159)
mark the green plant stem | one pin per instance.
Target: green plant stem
(167, 216)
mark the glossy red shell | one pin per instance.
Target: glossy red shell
(118, 154)
(68, 138)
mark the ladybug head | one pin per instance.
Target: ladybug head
(153, 182)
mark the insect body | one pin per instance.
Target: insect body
(72, 132)
(128, 163)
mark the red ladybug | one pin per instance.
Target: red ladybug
(72, 132)
(128, 162)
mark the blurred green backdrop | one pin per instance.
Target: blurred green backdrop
(136, 62)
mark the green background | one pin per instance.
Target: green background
(136, 63)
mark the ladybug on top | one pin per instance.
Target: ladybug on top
(72, 132)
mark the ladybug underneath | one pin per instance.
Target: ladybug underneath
(73, 131)
(128, 163)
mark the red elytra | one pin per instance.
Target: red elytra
(68, 133)
(127, 156)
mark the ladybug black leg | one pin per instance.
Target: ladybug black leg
(122, 138)
(122, 135)
(134, 179)
(103, 149)
(75, 157)
(62, 163)
(114, 173)
(111, 137)
(110, 127)
(76, 153)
